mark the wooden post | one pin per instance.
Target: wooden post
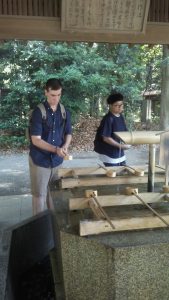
(151, 168)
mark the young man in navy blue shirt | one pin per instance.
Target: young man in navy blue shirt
(109, 147)
(50, 139)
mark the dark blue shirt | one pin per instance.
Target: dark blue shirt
(109, 124)
(52, 130)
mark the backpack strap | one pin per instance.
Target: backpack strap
(42, 108)
(63, 111)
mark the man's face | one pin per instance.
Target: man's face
(117, 107)
(53, 96)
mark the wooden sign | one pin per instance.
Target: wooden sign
(116, 16)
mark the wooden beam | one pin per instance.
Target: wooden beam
(101, 226)
(67, 172)
(45, 28)
(116, 200)
(95, 181)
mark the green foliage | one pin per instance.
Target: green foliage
(88, 72)
(13, 142)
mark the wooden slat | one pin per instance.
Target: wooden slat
(35, 8)
(30, 8)
(158, 11)
(25, 8)
(56, 12)
(153, 11)
(20, 7)
(9, 4)
(1, 10)
(162, 10)
(15, 7)
(5, 7)
(40, 8)
(46, 4)
(116, 200)
(96, 227)
(50, 8)
(20, 12)
(67, 172)
(166, 12)
(119, 180)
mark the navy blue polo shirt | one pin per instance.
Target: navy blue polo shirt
(52, 130)
(109, 124)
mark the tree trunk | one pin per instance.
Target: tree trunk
(164, 107)
(94, 107)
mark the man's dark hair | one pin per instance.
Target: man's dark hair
(114, 98)
(54, 84)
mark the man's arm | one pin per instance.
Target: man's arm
(38, 142)
(67, 142)
(112, 142)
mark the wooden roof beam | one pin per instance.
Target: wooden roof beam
(45, 28)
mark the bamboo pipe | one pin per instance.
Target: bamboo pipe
(139, 137)
(166, 173)
(143, 137)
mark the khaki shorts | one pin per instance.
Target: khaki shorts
(40, 178)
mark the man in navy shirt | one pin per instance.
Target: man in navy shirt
(109, 147)
(50, 139)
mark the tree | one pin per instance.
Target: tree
(89, 73)
(164, 113)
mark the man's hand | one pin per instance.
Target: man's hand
(125, 146)
(65, 149)
(61, 151)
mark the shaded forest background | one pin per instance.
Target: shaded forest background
(88, 71)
